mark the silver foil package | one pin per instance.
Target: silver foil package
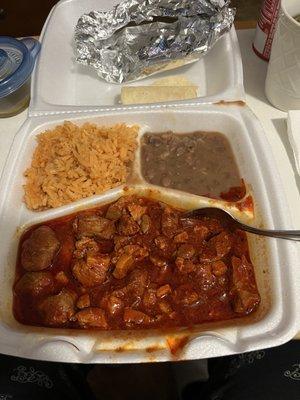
(139, 38)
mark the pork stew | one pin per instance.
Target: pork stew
(133, 264)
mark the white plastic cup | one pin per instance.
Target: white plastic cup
(283, 77)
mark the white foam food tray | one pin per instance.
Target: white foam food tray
(276, 262)
(59, 83)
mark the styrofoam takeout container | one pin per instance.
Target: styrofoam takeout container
(275, 261)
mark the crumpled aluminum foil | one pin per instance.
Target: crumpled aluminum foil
(140, 37)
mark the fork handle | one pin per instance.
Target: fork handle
(281, 234)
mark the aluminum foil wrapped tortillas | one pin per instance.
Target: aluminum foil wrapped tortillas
(138, 38)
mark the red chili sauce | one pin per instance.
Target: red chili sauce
(133, 264)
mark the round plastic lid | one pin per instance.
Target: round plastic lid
(17, 59)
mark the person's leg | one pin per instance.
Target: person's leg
(271, 374)
(22, 379)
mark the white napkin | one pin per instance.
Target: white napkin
(293, 128)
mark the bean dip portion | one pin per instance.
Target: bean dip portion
(133, 264)
(200, 163)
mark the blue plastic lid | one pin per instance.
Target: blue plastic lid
(17, 59)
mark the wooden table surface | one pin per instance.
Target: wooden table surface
(251, 24)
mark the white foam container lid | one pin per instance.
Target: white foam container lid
(61, 91)
(59, 83)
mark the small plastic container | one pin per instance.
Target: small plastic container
(17, 58)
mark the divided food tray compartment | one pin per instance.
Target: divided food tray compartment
(275, 261)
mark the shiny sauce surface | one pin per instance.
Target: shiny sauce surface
(132, 264)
